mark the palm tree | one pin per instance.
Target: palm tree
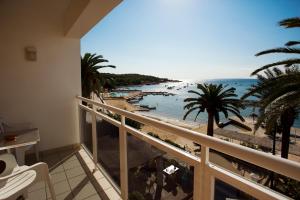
(278, 99)
(91, 79)
(288, 49)
(214, 99)
(283, 97)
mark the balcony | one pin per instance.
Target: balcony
(142, 166)
(74, 176)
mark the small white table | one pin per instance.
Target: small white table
(24, 140)
(171, 169)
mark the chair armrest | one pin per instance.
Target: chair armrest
(40, 168)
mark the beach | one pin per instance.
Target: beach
(201, 128)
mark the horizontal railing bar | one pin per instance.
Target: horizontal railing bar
(109, 119)
(102, 116)
(281, 166)
(86, 108)
(174, 151)
(240, 183)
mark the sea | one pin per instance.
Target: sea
(172, 107)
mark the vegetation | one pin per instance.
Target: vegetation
(275, 110)
(167, 141)
(91, 79)
(278, 100)
(148, 181)
(288, 49)
(135, 195)
(153, 135)
(132, 79)
(213, 99)
(130, 122)
(278, 92)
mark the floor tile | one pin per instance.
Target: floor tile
(75, 172)
(69, 178)
(58, 177)
(73, 157)
(60, 188)
(93, 197)
(64, 196)
(57, 169)
(75, 181)
(86, 191)
(37, 195)
(37, 186)
(69, 164)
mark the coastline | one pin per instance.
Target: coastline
(170, 120)
(202, 128)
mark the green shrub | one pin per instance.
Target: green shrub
(128, 121)
(153, 135)
(174, 144)
(135, 195)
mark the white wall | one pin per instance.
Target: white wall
(41, 92)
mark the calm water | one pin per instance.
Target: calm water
(172, 106)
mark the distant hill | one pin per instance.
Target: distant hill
(134, 79)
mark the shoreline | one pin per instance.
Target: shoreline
(199, 127)
(149, 83)
(170, 120)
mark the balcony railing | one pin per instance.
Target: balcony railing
(207, 176)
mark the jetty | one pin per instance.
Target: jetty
(133, 97)
(138, 94)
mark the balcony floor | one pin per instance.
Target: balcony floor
(74, 177)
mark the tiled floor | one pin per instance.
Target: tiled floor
(74, 177)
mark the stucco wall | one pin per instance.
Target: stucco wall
(40, 92)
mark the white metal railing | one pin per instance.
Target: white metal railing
(205, 172)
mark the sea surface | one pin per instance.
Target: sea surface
(172, 106)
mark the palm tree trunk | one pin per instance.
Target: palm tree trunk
(285, 141)
(210, 124)
(274, 140)
(273, 152)
(287, 121)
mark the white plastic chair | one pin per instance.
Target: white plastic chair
(18, 128)
(15, 180)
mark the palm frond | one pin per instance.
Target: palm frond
(286, 63)
(292, 43)
(290, 22)
(280, 50)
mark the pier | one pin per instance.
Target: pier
(138, 94)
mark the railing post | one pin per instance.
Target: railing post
(94, 138)
(197, 182)
(80, 121)
(123, 159)
(205, 177)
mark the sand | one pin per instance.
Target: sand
(122, 104)
(201, 128)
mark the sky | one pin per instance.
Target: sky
(192, 39)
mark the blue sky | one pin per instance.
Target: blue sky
(191, 39)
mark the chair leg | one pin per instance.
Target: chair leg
(25, 195)
(50, 185)
(20, 155)
(37, 151)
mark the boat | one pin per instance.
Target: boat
(148, 107)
